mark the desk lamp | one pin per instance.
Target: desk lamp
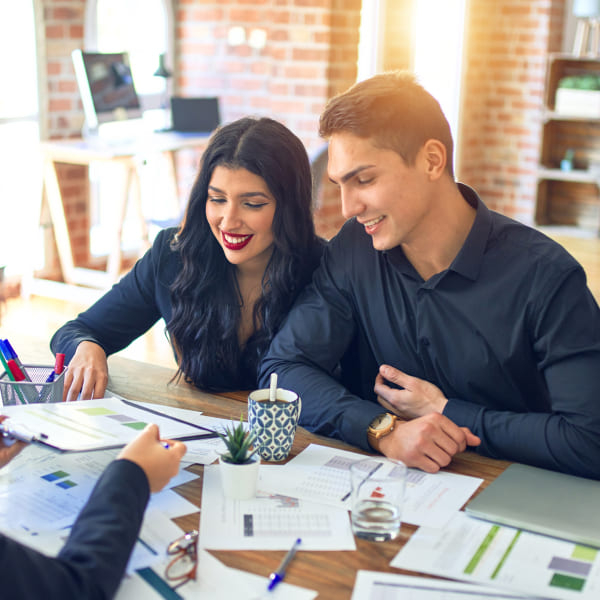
(163, 72)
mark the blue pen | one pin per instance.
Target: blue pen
(46, 391)
(8, 346)
(26, 393)
(278, 575)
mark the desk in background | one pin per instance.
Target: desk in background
(129, 154)
(332, 574)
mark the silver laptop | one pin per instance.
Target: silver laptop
(555, 504)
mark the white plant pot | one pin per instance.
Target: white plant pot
(239, 481)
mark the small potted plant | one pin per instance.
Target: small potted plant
(238, 464)
(578, 95)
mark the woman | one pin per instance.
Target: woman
(224, 281)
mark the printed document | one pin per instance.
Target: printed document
(505, 557)
(372, 585)
(322, 474)
(214, 581)
(93, 424)
(270, 521)
(50, 488)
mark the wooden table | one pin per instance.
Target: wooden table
(332, 574)
(130, 154)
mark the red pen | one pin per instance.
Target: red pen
(59, 363)
(14, 369)
(26, 392)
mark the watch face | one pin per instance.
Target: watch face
(381, 421)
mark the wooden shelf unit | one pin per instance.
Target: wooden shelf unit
(568, 197)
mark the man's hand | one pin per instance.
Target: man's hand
(87, 373)
(428, 442)
(8, 450)
(417, 398)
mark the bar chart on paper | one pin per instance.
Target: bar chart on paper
(476, 550)
(322, 474)
(269, 521)
(93, 424)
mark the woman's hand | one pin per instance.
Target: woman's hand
(87, 373)
(158, 458)
(8, 450)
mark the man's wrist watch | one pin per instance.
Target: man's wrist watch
(379, 427)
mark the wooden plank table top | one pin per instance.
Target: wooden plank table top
(331, 573)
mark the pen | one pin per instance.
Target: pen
(14, 369)
(27, 390)
(9, 373)
(15, 431)
(12, 354)
(279, 574)
(59, 364)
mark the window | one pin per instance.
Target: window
(20, 176)
(437, 48)
(438, 52)
(143, 28)
(140, 27)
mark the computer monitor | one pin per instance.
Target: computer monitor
(106, 87)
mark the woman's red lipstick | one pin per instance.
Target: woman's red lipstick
(234, 241)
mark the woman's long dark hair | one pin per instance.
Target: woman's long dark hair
(205, 295)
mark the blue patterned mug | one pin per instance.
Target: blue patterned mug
(274, 422)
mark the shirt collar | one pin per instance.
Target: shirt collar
(468, 260)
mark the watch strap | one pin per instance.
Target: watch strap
(374, 436)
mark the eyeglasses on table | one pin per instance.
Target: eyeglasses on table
(182, 566)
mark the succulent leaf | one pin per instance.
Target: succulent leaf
(239, 443)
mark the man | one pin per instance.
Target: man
(93, 559)
(472, 328)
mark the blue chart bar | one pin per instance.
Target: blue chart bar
(54, 476)
(66, 484)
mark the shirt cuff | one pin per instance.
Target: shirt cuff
(462, 413)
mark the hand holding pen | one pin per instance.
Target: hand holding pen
(9, 446)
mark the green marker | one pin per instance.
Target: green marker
(10, 375)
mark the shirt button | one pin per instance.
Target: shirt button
(425, 341)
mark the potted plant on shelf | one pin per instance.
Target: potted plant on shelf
(238, 464)
(578, 96)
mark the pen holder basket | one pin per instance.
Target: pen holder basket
(34, 391)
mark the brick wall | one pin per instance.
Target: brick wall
(62, 32)
(310, 54)
(396, 55)
(498, 146)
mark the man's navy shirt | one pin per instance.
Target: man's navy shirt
(510, 333)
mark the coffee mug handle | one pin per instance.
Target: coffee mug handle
(299, 406)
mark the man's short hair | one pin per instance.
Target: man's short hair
(392, 109)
